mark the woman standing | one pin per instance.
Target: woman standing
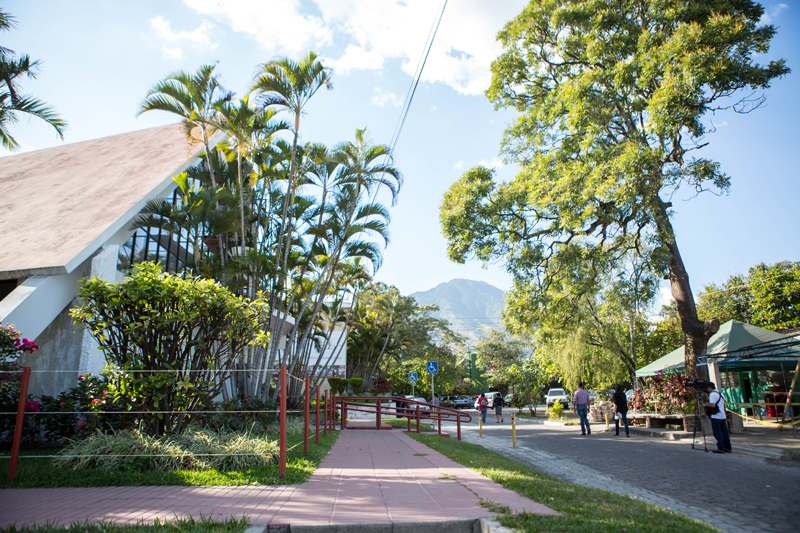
(621, 403)
(498, 407)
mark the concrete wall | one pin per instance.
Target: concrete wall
(63, 349)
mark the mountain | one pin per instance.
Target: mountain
(466, 304)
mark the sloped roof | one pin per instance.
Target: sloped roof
(59, 205)
(732, 335)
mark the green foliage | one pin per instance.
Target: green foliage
(355, 385)
(179, 525)
(170, 342)
(775, 295)
(556, 411)
(192, 450)
(612, 100)
(337, 385)
(13, 102)
(42, 472)
(498, 351)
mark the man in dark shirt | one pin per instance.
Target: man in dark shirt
(581, 402)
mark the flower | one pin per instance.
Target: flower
(81, 425)
(33, 406)
(97, 400)
(61, 404)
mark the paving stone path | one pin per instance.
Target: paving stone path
(735, 493)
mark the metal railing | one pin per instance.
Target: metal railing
(402, 408)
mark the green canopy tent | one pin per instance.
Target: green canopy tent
(732, 335)
(742, 352)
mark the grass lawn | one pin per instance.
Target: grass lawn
(583, 509)
(178, 526)
(403, 423)
(41, 473)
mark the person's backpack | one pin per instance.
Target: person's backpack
(715, 409)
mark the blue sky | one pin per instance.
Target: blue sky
(99, 58)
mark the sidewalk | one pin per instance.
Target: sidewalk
(368, 476)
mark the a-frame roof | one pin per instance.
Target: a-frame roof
(59, 205)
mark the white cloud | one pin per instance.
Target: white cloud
(494, 163)
(172, 53)
(433, 108)
(366, 34)
(277, 25)
(769, 16)
(199, 38)
(381, 99)
(458, 166)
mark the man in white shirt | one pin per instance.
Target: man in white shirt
(719, 423)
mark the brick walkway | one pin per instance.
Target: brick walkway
(368, 476)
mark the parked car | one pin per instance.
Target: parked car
(507, 400)
(424, 403)
(592, 396)
(446, 401)
(557, 395)
(462, 402)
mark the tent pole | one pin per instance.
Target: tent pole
(791, 393)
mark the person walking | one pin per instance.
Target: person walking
(581, 402)
(621, 404)
(498, 407)
(715, 409)
(483, 405)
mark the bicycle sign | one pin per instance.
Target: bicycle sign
(412, 377)
(433, 367)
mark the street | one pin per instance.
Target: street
(736, 493)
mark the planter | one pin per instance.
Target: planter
(688, 423)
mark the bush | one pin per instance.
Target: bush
(221, 418)
(193, 450)
(337, 385)
(556, 411)
(382, 386)
(11, 348)
(356, 384)
(169, 342)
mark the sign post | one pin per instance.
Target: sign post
(412, 377)
(433, 368)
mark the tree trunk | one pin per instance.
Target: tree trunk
(696, 332)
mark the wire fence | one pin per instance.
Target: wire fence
(328, 412)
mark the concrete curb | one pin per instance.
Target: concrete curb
(468, 525)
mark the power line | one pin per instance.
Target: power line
(413, 87)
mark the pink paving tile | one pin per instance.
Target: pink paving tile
(369, 476)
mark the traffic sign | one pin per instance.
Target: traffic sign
(412, 377)
(433, 367)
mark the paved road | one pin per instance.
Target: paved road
(736, 493)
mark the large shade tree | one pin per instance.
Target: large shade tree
(614, 98)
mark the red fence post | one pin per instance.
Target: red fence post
(417, 418)
(344, 415)
(317, 420)
(308, 405)
(23, 397)
(378, 414)
(439, 417)
(325, 422)
(458, 425)
(333, 411)
(282, 471)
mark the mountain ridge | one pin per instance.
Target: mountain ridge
(467, 304)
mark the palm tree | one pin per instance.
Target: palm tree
(289, 85)
(193, 97)
(246, 128)
(12, 68)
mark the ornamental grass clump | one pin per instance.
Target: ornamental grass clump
(192, 450)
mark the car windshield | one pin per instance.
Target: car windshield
(556, 392)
